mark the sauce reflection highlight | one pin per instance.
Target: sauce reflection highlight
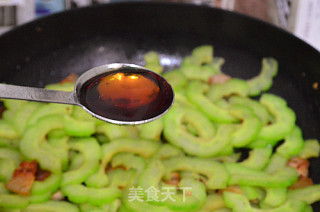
(128, 95)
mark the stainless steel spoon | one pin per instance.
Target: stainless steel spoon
(73, 98)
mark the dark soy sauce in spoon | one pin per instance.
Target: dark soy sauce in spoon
(127, 95)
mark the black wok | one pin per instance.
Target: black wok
(48, 49)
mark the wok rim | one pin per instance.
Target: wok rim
(165, 4)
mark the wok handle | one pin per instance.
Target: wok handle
(37, 94)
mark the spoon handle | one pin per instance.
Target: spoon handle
(37, 94)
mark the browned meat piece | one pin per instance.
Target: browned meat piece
(234, 189)
(219, 79)
(302, 183)
(71, 78)
(23, 178)
(174, 179)
(301, 165)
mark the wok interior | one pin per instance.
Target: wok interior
(47, 50)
